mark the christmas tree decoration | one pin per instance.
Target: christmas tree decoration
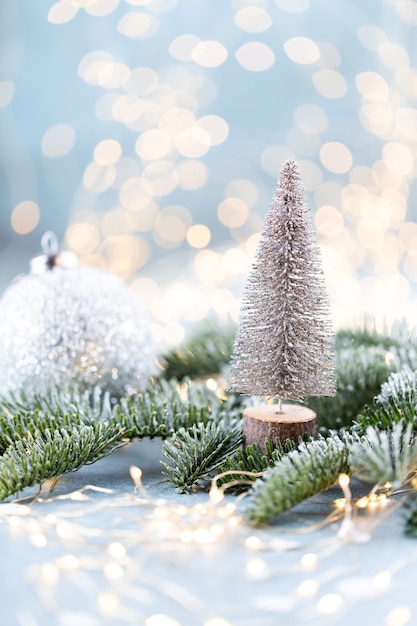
(284, 343)
(65, 325)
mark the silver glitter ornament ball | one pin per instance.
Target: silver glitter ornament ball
(67, 325)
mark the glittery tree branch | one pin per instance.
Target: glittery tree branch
(284, 344)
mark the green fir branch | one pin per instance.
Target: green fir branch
(194, 455)
(312, 468)
(252, 460)
(360, 372)
(397, 402)
(40, 455)
(384, 455)
(203, 354)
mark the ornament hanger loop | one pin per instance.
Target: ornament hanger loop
(49, 244)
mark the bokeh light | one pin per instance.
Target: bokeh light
(153, 145)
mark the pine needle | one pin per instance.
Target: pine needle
(46, 454)
(397, 402)
(195, 454)
(385, 456)
(312, 468)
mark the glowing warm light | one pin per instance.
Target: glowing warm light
(398, 158)
(406, 119)
(112, 571)
(138, 25)
(302, 50)
(58, 141)
(255, 56)
(344, 481)
(311, 119)
(162, 177)
(311, 173)
(7, 90)
(193, 142)
(329, 55)
(101, 7)
(142, 80)
(309, 561)
(253, 19)
(216, 127)
(25, 217)
(408, 237)
(256, 568)
(336, 157)
(393, 55)
(50, 572)
(171, 225)
(82, 238)
(161, 620)
(329, 221)
(272, 157)
(116, 549)
(407, 10)
(198, 236)
(293, 6)
(217, 621)
(330, 83)
(330, 603)
(68, 562)
(153, 144)
(399, 616)
(107, 152)
(253, 543)
(136, 474)
(64, 530)
(135, 193)
(371, 36)
(308, 588)
(62, 12)
(209, 53)
(112, 75)
(192, 174)
(181, 47)
(98, 178)
(372, 86)
(38, 539)
(244, 189)
(108, 603)
(232, 212)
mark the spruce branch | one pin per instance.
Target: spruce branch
(253, 460)
(383, 456)
(195, 454)
(302, 473)
(40, 455)
(397, 402)
(360, 372)
(203, 354)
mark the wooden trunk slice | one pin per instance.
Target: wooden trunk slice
(265, 422)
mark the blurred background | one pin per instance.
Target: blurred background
(148, 135)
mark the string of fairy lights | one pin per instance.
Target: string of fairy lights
(110, 566)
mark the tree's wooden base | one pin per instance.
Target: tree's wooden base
(264, 422)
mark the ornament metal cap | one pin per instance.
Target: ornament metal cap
(51, 256)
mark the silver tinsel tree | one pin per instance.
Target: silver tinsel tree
(284, 344)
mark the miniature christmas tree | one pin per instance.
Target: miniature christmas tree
(284, 344)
